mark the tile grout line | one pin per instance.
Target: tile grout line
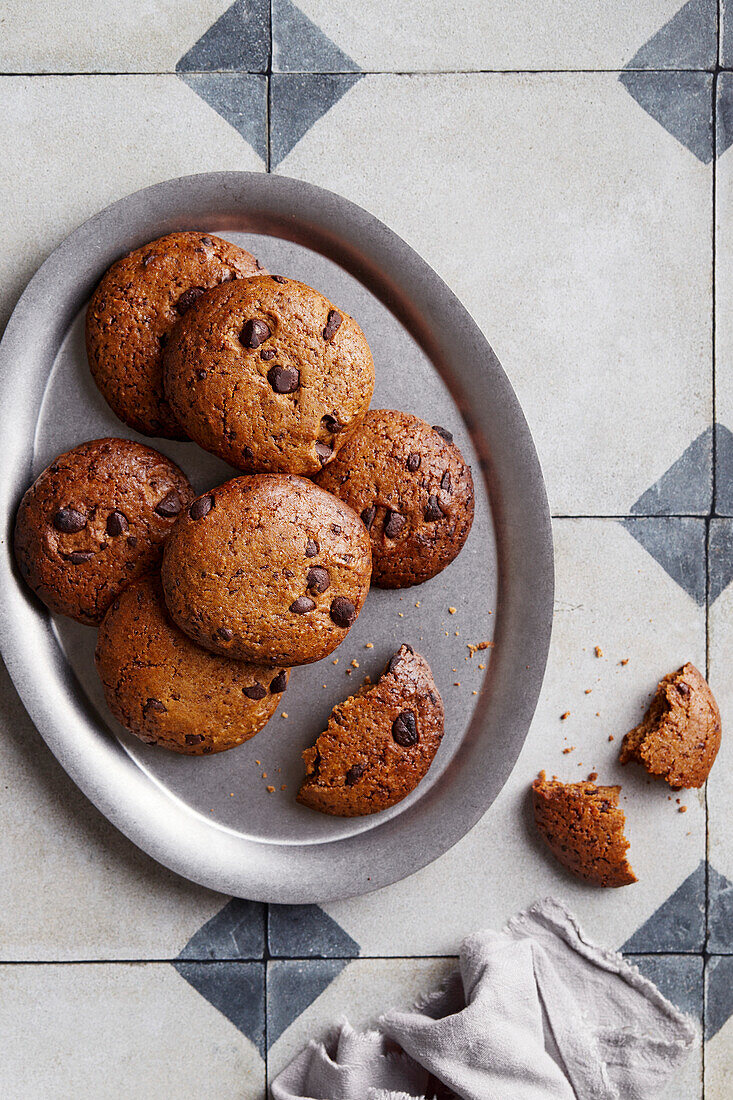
(350, 72)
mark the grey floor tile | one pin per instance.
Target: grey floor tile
(236, 932)
(720, 809)
(300, 931)
(105, 1030)
(720, 914)
(235, 989)
(678, 977)
(678, 546)
(724, 291)
(294, 985)
(679, 922)
(537, 198)
(239, 41)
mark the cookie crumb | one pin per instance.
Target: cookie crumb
(284, 787)
(625, 661)
(259, 763)
(610, 736)
(335, 661)
(588, 691)
(264, 775)
(682, 810)
(457, 684)
(452, 610)
(474, 693)
(284, 714)
(270, 790)
(570, 748)
(592, 776)
(354, 663)
(598, 651)
(417, 603)
(565, 715)
(401, 614)
(369, 645)
(478, 646)
(482, 666)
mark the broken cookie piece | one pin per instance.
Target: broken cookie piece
(583, 826)
(679, 736)
(378, 744)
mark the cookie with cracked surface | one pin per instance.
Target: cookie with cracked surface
(679, 736)
(410, 485)
(269, 375)
(134, 309)
(95, 520)
(583, 826)
(378, 744)
(167, 690)
(267, 568)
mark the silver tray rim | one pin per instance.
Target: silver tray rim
(152, 818)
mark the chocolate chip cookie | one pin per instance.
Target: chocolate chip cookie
(267, 568)
(269, 375)
(170, 692)
(133, 310)
(95, 520)
(378, 744)
(679, 736)
(413, 490)
(583, 826)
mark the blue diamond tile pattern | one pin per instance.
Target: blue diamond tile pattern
(724, 466)
(240, 99)
(718, 993)
(297, 102)
(687, 486)
(688, 41)
(302, 931)
(239, 41)
(720, 917)
(236, 989)
(678, 925)
(236, 932)
(299, 46)
(678, 977)
(294, 985)
(681, 102)
(678, 545)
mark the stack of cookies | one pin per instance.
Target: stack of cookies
(220, 595)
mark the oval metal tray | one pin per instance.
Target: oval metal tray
(213, 819)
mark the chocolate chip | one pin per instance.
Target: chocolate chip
(69, 521)
(280, 682)
(154, 706)
(324, 452)
(254, 691)
(254, 333)
(433, 512)
(248, 454)
(302, 605)
(367, 516)
(201, 374)
(225, 634)
(116, 523)
(413, 462)
(207, 241)
(331, 424)
(131, 541)
(393, 663)
(355, 772)
(284, 379)
(170, 505)
(194, 738)
(163, 339)
(188, 297)
(445, 481)
(335, 528)
(78, 557)
(288, 573)
(201, 507)
(409, 649)
(343, 612)
(393, 526)
(447, 436)
(432, 697)
(147, 258)
(318, 579)
(267, 353)
(683, 689)
(333, 323)
(404, 729)
(278, 279)
(311, 548)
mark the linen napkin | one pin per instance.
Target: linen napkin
(535, 1012)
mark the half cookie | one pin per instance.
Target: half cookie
(378, 744)
(679, 736)
(583, 827)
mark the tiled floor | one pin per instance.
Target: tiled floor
(566, 168)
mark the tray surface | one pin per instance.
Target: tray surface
(213, 819)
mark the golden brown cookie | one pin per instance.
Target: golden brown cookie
(170, 692)
(412, 489)
(583, 827)
(679, 736)
(267, 568)
(269, 375)
(378, 744)
(133, 310)
(93, 521)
